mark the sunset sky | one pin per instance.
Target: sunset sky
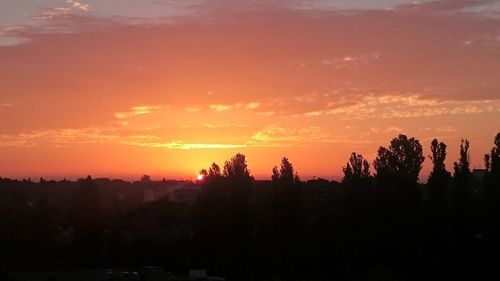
(124, 88)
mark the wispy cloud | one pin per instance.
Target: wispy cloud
(411, 106)
(226, 125)
(186, 146)
(348, 61)
(308, 98)
(71, 7)
(393, 129)
(356, 106)
(439, 129)
(102, 135)
(139, 110)
(253, 105)
(274, 133)
(276, 136)
(220, 107)
(325, 72)
(59, 137)
(314, 113)
(79, 5)
(51, 13)
(239, 105)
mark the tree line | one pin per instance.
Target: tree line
(380, 226)
(385, 224)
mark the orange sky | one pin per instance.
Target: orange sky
(83, 92)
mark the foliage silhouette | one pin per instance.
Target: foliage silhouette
(462, 166)
(402, 159)
(357, 168)
(492, 191)
(285, 175)
(386, 226)
(439, 177)
(236, 170)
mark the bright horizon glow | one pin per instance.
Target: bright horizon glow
(200, 177)
(165, 90)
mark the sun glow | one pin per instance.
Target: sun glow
(200, 177)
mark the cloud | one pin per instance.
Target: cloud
(314, 113)
(44, 20)
(404, 57)
(274, 133)
(53, 13)
(393, 129)
(253, 105)
(220, 107)
(109, 134)
(439, 129)
(217, 126)
(71, 8)
(443, 6)
(348, 61)
(239, 105)
(446, 129)
(79, 5)
(13, 29)
(410, 106)
(59, 137)
(267, 113)
(139, 110)
(308, 98)
(186, 146)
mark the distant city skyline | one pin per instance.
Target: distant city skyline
(123, 88)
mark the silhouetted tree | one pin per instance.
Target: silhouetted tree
(213, 177)
(222, 215)
(286, 208)
(275, 175)
(214, 171)
(361, 229)
(146, 178)
(463, 163)
(492, 160)
(462, 169)
(463, 212)
(436, 216)
(399, 165)
(357, 182)
(398, 196)
(495, 155)
(438, 150)
(439, 176)
(286, 174)
(487, 162)
(356, 168)
(204, 173)
(492, 189)
(236, 170)
(355, 209)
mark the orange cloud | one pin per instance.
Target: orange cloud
(241, 82)
(139, 110)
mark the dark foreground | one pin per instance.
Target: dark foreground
(382, 227)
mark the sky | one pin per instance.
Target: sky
(165, 88)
